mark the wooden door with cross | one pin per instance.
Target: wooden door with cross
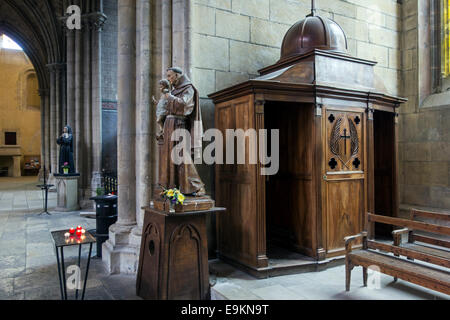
(344, 177)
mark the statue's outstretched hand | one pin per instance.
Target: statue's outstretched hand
(154, 100)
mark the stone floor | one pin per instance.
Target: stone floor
(230, 283)
(28, 267)
(28, 263)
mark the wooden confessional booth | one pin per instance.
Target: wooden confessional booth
(337, 154)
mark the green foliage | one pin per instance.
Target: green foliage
(100, 191)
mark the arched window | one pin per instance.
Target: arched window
(8, 43)
(29, 90)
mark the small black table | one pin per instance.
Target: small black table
(60, 242)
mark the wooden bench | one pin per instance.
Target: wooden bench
(413, 236)
(375, 253)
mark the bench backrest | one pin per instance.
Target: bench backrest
(410, 224)
(440, 216)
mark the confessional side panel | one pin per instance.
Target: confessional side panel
(236, 187)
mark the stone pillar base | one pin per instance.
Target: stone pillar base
(120, 252)
(84, 198)
(67, 188)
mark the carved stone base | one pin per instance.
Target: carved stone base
(120, 253)
(190, 204)
(67, 188)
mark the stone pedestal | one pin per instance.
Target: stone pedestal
(67, 188)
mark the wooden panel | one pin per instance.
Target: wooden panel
(236, 189)
(344, 177)
(344, 205)
(184, 279)
(148, 283)
(173, 260)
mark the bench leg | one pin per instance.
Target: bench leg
(365, 276)
(348, 272)
(395, 278)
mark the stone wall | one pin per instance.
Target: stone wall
(233, 39)
(109, 52)
(16, 92)
(424, 127)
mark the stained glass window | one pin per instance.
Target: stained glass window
(445, 15)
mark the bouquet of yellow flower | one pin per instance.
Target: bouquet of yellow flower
(174, 195)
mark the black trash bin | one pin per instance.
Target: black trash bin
(105, 215)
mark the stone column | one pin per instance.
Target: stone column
(87, 116)
(166, 17)
(181, 35)
(70, 76)
(143, 112)
(16, 166)
(78, 130)
(43, 93)
(96, 97)
(52, 124)
(47, 132)
(59, 69)
(118, 254)
(160, 54)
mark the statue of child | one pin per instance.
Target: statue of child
(161, 107)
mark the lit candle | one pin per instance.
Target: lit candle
(78, 232)
(79, 228)
(66, 234)
(71, 230)
(83, 231)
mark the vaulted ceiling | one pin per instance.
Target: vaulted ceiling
(35, 26)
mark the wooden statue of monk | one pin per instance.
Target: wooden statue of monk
(182, 108)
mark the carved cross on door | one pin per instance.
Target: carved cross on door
(343, 128)
(345, 137)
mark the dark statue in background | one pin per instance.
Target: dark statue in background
(66, 150)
